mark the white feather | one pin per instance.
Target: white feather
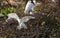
(13, 15)
(21, 21)
(26, 18)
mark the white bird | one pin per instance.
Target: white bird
(21, 21)
(30, 5)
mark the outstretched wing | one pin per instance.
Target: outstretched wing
(13, 15)
(27, 18)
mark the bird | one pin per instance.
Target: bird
(30, 6)
(21, 21)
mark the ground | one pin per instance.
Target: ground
(37, 28)
(45, 25)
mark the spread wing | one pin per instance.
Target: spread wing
(13, 15)
(27, 18)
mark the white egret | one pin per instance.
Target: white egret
(30, 5)
(21, 21)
